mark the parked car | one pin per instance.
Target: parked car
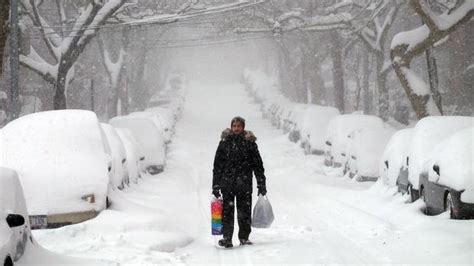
(62, 163)
(135, 154)
(15, 231)
(447, 179)
(119, 171)
(146, 132)
(313, 129)
(295, 121)
(337, 135)
(429, 132)
(365, 150)
(166, 119)
(393, 164)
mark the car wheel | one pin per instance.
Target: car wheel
(8, 262)
(449, 206)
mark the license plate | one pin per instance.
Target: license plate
(39, 221)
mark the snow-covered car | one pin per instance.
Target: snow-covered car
(119, 171)
(295, 121)
(313, 129)
(365, 150)
(337, 135)
(134, 152)
(15, 231)
(393, 166)
(150, 137)
(428, 133)
(159, 123)
(447, 178)
(61, 159)
(167, 121)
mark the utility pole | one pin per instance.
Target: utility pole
(14, 61)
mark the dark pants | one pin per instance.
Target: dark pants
(244, 211)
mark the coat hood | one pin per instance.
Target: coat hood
(248, 135)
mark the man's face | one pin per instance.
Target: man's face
(237, 128)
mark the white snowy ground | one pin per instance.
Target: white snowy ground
(318, 219)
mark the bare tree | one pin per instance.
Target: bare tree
(374, 35)
(407, 45)
(65, 47)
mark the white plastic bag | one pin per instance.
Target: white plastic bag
(262, 213)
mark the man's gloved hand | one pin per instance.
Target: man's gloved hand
(262, 190)
(216, 193)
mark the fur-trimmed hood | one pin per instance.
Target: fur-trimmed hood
(248, 135)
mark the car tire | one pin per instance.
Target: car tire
(8, 262)
(449, 206)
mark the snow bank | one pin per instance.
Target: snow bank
(428, 132)
(395, 155)
(455, 159)
(60, 158)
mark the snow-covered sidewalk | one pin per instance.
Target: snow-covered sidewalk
(318, 219)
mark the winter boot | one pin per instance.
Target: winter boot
(227, 243)
(245, 242)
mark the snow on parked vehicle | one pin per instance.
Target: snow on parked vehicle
(295, 121)
(15, 234)
(313, 129)
(119, 171)
(62, 163)
(393, 164)
(365, 150)
(166, 118)
(135, 154)
(429, 132)
(337, 133)
(447, 178)
(146, 132)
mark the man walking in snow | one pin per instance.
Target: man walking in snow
(237, 156)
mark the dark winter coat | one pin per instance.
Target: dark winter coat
(237, 156)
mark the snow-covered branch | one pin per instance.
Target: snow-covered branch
(406, 45)
(38, 65)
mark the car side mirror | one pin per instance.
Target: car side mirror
(386, 164)
(436, 169)
(14, 220)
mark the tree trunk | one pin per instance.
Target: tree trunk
(284, 71)
(367, 101)
(4, 13)
(433, 77)
(382, 89)
(338, 71)
(59, 101)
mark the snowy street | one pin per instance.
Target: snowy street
(319, 219)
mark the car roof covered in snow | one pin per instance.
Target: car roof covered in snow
(60, 157)
(145, 131)
(428, 133)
